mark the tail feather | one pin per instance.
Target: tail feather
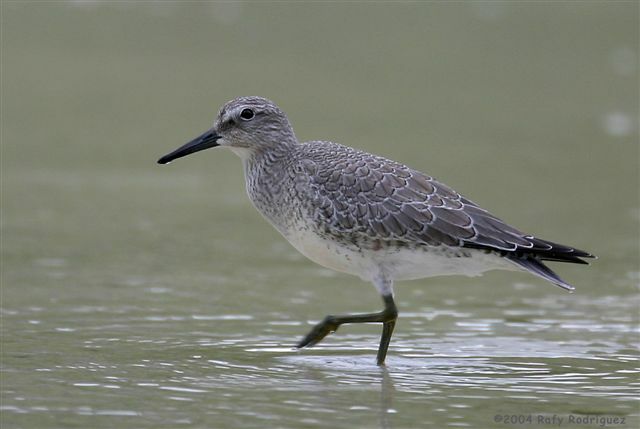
(550, 251)
(536, 267)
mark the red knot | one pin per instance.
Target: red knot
(365, 215)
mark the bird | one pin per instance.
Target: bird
(365, 215)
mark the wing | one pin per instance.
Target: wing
(356, 193)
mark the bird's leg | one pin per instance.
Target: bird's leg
(391, 314)
(331, 323)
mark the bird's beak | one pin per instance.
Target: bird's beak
(205, 141)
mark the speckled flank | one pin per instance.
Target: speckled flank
(337, 215)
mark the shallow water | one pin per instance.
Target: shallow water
(452, 365)
(135, 295)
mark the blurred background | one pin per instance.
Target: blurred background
(138, 295)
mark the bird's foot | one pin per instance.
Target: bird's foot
(328, 325)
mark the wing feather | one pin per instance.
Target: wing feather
(370, 196)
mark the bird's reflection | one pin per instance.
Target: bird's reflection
(387, 392)
(378, 380)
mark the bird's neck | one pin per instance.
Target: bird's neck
(264, 156)
(268, 183)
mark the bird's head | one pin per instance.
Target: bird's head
(246, 125)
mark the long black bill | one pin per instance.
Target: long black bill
(202, 142)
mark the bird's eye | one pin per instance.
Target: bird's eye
(247, 114)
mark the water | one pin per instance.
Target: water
(128, 366)
(135, 295)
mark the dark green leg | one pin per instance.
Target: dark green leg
(331, 323)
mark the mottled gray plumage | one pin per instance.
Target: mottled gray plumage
(363, 214)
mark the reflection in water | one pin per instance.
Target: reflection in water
(386, 398)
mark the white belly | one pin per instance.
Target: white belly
(396, 263)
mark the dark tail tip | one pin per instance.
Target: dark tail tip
(537, 268)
